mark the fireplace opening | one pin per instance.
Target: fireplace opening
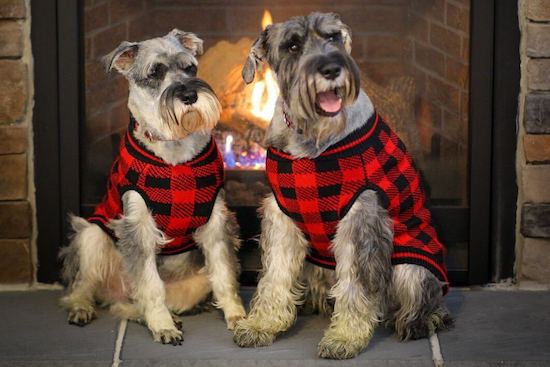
(414, 59)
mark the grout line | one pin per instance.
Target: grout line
(119, 340)
(437, 357)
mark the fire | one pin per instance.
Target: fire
(265, 91)
(266, 19)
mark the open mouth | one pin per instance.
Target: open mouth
(328, 103)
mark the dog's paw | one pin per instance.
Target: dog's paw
(81, 316)
(231, 321)
(424, 327)
(246, 334)
(178, 322)
(168, 336)
(332, 347)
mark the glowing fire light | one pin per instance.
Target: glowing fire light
(266, 19)
(264, 96)
(265, 90)
(228, 143)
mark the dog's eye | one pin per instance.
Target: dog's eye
(293, 48)
(190, 70)
(158, 71)
(334, 37)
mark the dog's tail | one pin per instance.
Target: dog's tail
(68, 255)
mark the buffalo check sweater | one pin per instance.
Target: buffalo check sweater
(317, 193)
(181, 197)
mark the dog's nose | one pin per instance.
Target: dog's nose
(330, 71)
(188, 97)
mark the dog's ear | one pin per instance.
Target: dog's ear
(188, 40)
(256, 55)
(346, 32)
(121, 58)
(346, 37)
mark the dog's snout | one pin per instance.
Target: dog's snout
(187, 96)
(330, 71)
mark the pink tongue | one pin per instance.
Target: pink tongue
(329, 101)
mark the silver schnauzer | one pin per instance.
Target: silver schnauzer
(346, 198)
(164, 197)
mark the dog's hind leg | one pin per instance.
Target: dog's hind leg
(279, 292)
(417, 308)
(317, 281)
(219, 242)
(362, 249)
(139, 238)
(88, 262)
(186, 294)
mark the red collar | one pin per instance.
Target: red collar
(289, 122)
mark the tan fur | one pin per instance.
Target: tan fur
(184, 294)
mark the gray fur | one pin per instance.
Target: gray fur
(416, 308)
(373, 236)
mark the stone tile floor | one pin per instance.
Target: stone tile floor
(493, 328)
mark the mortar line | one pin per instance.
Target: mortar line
(119, 341)
(437, 357)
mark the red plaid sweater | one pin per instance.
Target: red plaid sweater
(180, 197)
(317, 194)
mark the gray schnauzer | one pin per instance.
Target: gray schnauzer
(346, 198)
(164, 197)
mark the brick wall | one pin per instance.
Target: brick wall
(438, 33)
(16, 193)
(106, 24)
(378, 25)
(533, 251)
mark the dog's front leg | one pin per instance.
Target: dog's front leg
(139, 238)
(219, 242)
(362, 249)
(274, 304)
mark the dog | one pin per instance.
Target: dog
(346, 198)
(162, 240)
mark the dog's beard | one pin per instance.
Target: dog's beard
(182, 120)
(306, 109)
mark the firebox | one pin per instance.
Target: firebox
(416, 63)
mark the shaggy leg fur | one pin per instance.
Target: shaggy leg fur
(219, 242)
(138, 241)
(274, 304)
(89, 262)
(317, 281)
(362, 249)
(417, 309)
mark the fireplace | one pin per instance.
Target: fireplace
(414, 59)
(426, 64)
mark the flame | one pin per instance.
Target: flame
(228, 143)
(264, 96)
(266, 19)
(265, 91)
